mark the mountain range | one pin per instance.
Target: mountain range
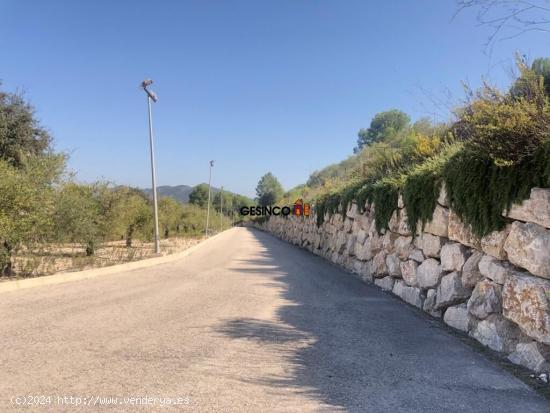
(178, 192)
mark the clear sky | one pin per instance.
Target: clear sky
(280, 86)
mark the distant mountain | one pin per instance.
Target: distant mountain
(178, 192)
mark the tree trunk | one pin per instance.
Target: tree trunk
(129, 235)
(90, 248)
(6, 266)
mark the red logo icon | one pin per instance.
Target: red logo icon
(301, 208)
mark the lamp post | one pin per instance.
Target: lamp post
(208, 207)
(151, 96)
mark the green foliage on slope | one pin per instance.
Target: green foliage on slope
(489, 159)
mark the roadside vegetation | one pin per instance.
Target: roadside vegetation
(494, 151)
(46, 215)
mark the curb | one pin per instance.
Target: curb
(63, 277)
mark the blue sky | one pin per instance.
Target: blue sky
(280, 86)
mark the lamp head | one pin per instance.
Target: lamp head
(146, 83)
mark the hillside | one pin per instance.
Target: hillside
(178, 192)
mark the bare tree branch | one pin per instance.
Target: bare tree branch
(508, 19)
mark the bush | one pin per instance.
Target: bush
(479, 189)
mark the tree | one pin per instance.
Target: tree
(384, 125)
(170, 215)
(128, 214)
(227, 203)
(269, 190)
(20, 132)
(77, 216)
(524, 84)
(26, 204)
(199, 195)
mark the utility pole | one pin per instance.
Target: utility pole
(208, 207)
(152, 96)
(221, 209)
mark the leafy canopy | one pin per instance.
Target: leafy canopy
(383, 126)
(269, 190)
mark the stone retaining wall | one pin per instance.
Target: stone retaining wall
(497, 288)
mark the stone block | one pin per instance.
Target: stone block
(451, 291)
(411, 295)
(486, 299)
(470, 271)
(429, 273)
(536, 209)
(385, 283)
(457, 317)
(526, 301)
(439, 223)
(408, 272)
(528, 246)
(453, 256)
(497, 333)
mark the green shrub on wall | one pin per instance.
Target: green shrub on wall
(423, 185)
(496, 151)
(479, 190)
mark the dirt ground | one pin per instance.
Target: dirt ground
(69, 257)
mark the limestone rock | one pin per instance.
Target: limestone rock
(385, 283)
(416, 255)
(361, 236)
(451, 291)
(442, 199)
(363, 251)
(348, 223)
(453, 256)
(429, 303)
(536, 209)
(398, 222)
(526, 301)
(493, 243)
(486, 299)
(350, 245)
(528, 246)
(497, 333)
(494, 269)
(364, 221)
(430, 244)
(403, 247)
(458, 231)
(388, 241)
(470, 271)
(429, 273)
(352, 211)
(411, 295)
(439, 223)
(378, 265)
(457, 317)
(365, 272)
(532, 355)
(392, 263)
(340, 242)
(408, 272)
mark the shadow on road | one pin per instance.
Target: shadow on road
(355, 348)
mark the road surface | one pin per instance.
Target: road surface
(246, 323)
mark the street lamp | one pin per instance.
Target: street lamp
(151, 96)
(208, 207)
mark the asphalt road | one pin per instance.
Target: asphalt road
(246, 323)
